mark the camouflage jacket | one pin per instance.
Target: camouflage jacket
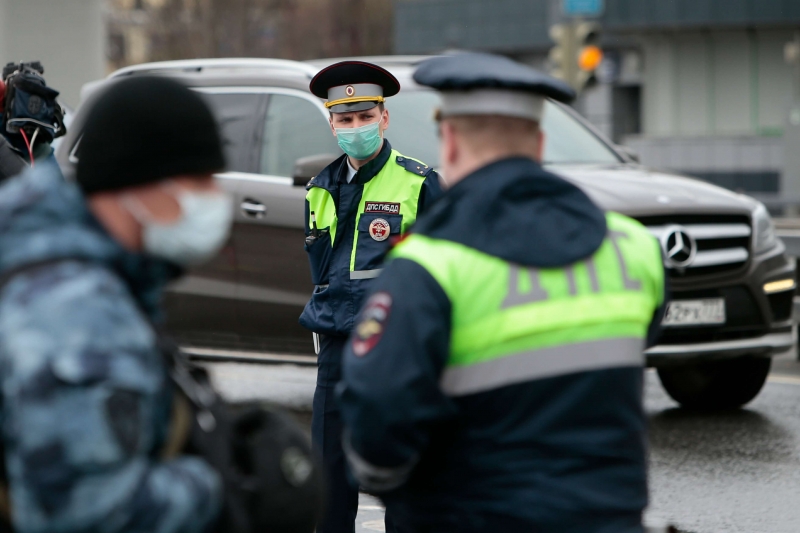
(85, 394)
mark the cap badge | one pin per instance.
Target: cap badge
(379, 229)
(350, 90)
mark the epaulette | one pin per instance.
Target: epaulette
(415, 167)
(310, 183)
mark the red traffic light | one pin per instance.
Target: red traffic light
(590, 58)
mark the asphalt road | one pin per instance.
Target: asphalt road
(737, 472)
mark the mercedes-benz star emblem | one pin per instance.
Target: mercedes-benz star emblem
(679, 247)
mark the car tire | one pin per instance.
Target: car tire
(716, 385)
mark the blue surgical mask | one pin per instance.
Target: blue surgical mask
(362, 142)
(196, 236)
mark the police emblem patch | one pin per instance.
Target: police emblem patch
(379, 229)
(350, 90)
(373, 320)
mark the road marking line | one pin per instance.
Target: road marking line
(370, 508)
(783, 379)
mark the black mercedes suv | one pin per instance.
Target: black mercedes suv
(732, 283)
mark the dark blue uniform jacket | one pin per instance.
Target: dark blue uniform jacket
(337, 299)
(564, 454)
(10, 163)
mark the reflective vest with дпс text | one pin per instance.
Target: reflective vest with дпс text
(512, 324)
(354, 235)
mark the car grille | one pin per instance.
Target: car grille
(723, 241)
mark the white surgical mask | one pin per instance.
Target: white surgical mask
(193, 239)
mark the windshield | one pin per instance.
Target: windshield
(412, 131)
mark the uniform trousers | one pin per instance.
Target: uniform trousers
(341, 504)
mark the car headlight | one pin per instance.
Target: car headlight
(764, 237)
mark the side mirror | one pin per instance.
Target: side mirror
(307, 167)
(630, 155)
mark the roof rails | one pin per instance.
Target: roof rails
(385, 61)
(198, 65)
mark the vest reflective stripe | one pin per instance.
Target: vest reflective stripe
(543, 363)
(321, 203)
(365, 274)
(500, 309)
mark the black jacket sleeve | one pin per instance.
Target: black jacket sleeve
(10, 163)
(654, 331)
(389, 396)
(431, 191)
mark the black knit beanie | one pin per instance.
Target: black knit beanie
(144, 129)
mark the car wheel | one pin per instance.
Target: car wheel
(716, 385)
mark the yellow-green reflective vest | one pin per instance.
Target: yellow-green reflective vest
(512, 324)
(391, 196)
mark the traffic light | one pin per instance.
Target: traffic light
(562, 56)
(587, 38)
(577, 54)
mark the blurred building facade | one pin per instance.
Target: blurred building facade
(66, 35)
(156, 30)
(695, 86)
(128, 25)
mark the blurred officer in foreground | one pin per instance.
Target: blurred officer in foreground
(353, 208)
(86, 397)
(493, 382)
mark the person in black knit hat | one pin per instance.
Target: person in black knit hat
(86, 397)
(95, 401)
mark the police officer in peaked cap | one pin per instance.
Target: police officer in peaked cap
(493, 382)
(354, 208)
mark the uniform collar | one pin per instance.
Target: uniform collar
(516, 210)
(371, 169)
(335, 174)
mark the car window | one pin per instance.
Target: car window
(412, 131)
(237, 115)
(412, 128)
(294, 128)
(567, 141)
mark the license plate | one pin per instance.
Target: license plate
(695, 312)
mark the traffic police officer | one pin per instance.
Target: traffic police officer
(494, 379)
(353, 208)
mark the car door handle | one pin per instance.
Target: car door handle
(253, 208)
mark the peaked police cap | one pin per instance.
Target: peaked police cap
(353, 86)
(480, 84)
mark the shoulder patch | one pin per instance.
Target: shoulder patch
(372, 323)
(413, 166)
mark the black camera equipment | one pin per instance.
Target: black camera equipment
(11, 68)
(31, 111)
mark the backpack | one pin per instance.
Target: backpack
(271, 482)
